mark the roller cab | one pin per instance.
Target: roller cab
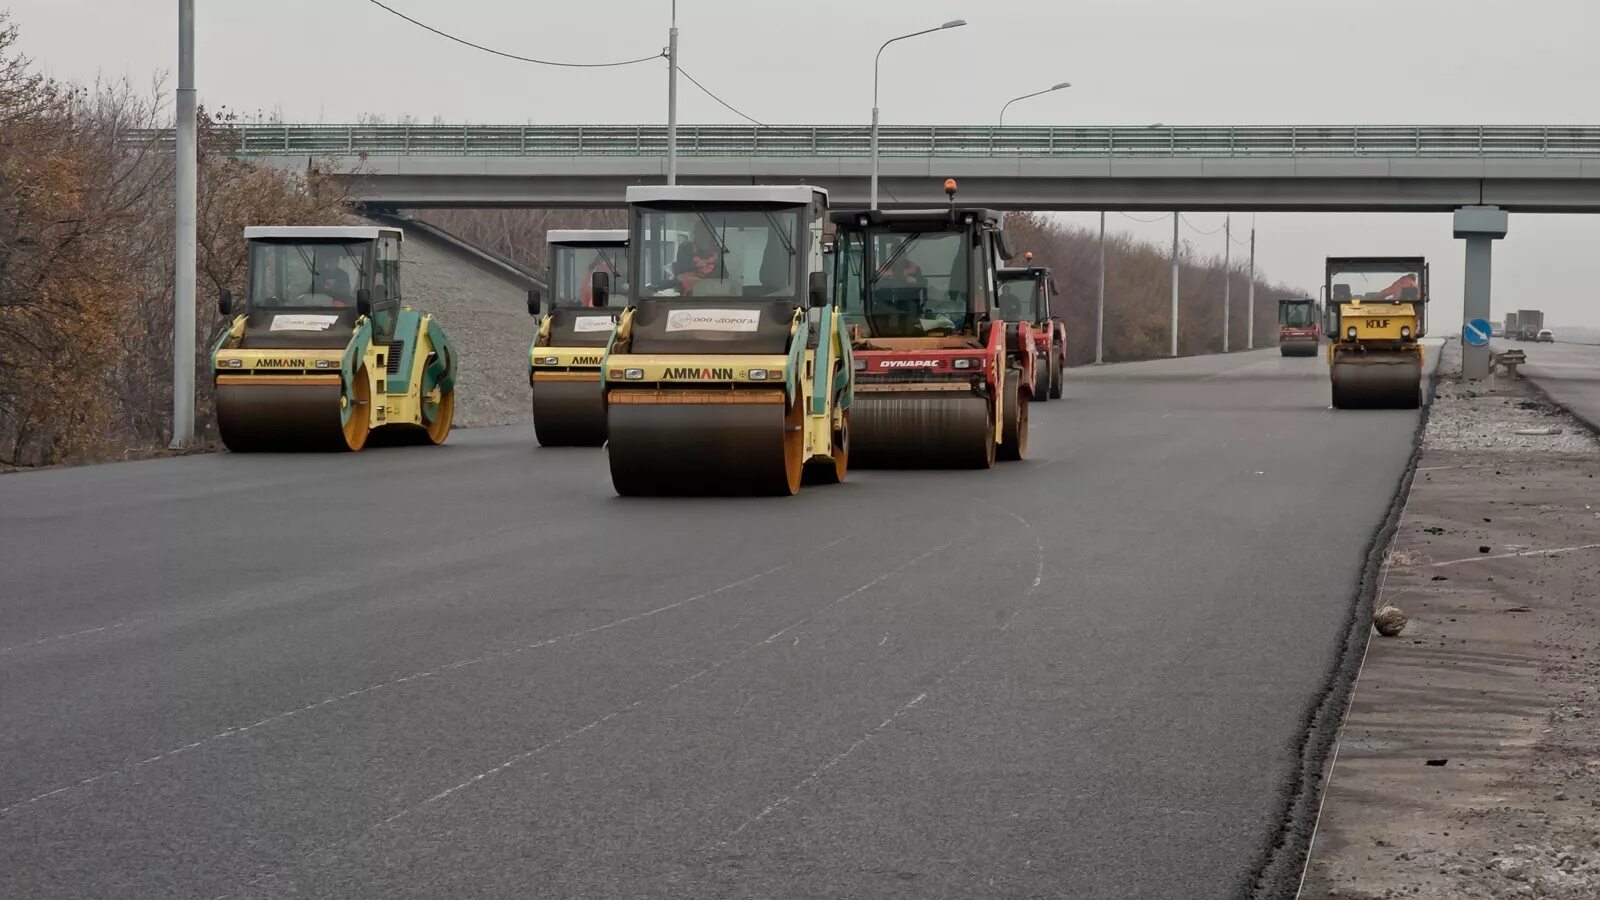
(1377, 318)
(1299, 327)
(323, 355)
(942, 379)
(586, 289)
(1025, 296)
(729, 371)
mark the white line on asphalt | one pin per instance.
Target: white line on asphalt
(62, 637)
(1482, 557)
(549, 745)
(779, 803)
(1038, 578)
(235, 731)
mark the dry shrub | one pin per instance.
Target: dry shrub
(86, 247)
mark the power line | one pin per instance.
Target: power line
(1201, 232)
(725, 104)
(1160, 218)
(752, 119)
(527, 59)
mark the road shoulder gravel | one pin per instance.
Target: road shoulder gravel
(1467, 765)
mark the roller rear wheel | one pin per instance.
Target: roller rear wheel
(439, 428)
(832, 470)
(359, 427)
(1014, 428)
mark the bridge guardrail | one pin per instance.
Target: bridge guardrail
(834, 141)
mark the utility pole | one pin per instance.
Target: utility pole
(1100, 309)
(183, 264)
(1227, 279)
(1250, 332)
(672, 97)
(1175, 217)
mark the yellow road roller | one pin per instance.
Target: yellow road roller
(942, 379)
(729, 371)
(587, 286)
(1377, 307)
(323, 356)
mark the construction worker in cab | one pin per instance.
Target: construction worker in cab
(698, 259)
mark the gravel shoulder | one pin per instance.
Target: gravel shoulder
(1469, 762)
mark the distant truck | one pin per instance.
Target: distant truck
(1529, 323)
(1510, 331)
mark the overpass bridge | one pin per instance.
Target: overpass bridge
(1258, 168)
(1478, 172)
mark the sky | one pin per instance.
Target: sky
(1131, 62)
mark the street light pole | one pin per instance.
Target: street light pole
(1227, 280)
(1056, 87)
(1100, 307)
(1175, 217)
(1250, 335)
(183, 268)
(954, 23)
(672, 97)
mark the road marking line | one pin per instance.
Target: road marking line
(982, 645)
(779, 803)
(429, 673)
(62, 637)
(765, 642)
(1454, 562)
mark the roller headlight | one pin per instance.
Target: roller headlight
(326, 363)
(962, 363)
(757, 374)
(633, 374)
(1405, 332)
(545, 360)
(233, 363)
(861, 364)
(1350, 332)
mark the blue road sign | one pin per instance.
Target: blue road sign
(1476, 333)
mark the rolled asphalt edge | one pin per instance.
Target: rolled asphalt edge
(1278, 872)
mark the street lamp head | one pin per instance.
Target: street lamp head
(954, 23)
(1064, 84)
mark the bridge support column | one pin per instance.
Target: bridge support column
(1480, 227)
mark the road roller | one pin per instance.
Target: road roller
(322, 355)
(1025, 295)
(942, 380)
(586, 288)
(729, 371)
(1378, 306)
(1299, 327)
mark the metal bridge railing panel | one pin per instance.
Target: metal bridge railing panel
(848, 141)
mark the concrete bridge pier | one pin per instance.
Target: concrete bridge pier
(1480, 227)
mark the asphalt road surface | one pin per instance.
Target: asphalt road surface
(473, 671)
(1569, 373)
